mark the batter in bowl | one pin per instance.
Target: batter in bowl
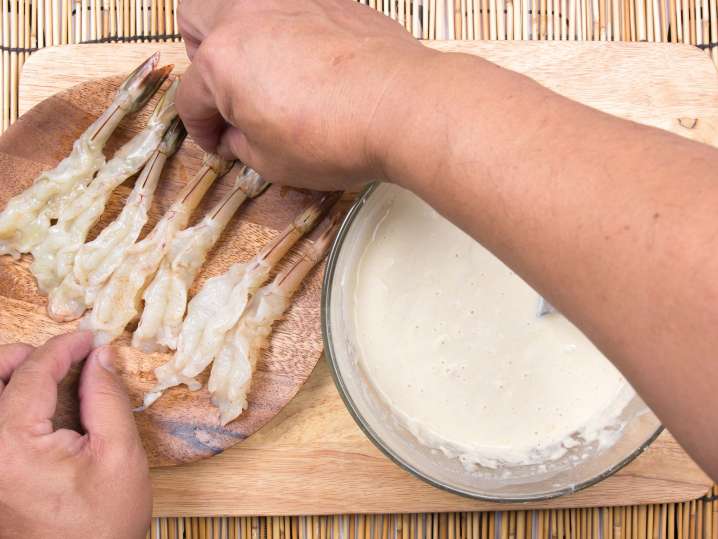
(451, 339)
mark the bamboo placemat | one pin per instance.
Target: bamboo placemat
(28, 25)
(31, 24)
(697, 519)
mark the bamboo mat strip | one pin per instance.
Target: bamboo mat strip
(28, 25)
(697, 519)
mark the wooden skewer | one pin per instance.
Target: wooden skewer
(543, 20)
(535, 18)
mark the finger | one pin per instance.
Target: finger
(11, 355)
(63, 443)
(31, 394)
(105, 410)
(197, 108)
(190, 46)
(234, 145)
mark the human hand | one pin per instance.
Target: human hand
(308, 93)
(60, 483)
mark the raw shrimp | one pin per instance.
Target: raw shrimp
(54, 256)
(119, 301)
(96, 260)
(232, 371)
(218, 305)
(26, 218)
(166, 297)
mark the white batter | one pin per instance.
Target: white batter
(449, 335)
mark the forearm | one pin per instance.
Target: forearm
(614, 222)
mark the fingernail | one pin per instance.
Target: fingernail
(104, 358)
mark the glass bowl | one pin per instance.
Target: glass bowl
(579, 468)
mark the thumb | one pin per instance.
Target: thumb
(105, 410)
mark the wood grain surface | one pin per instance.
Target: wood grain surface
(312, 458)
(182, 426)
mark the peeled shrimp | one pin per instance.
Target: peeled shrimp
(26, 218)
(98, 259)
(219, 304)
(54, 257)
(119, 300)
(166, 297)
(232, 371)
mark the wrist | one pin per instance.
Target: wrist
(421, 124)
(393, 122)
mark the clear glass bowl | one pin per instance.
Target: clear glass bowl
(516, 484)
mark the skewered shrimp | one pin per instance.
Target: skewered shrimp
(54, 256)
(96, 260)
(119, 300)
(232, 371)
(26, 218)
(218, 305)
(166, 297)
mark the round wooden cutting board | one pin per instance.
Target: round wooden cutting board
(182, 426)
